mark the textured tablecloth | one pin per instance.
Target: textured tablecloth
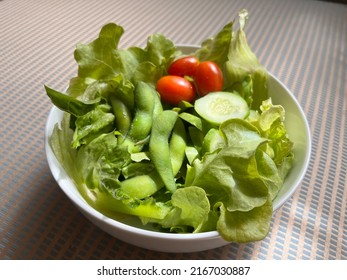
(303, 43)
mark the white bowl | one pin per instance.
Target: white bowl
(130, 230)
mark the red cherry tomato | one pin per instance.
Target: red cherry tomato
(208, 78)
(173, 89)
(185, 66)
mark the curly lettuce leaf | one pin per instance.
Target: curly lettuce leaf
(240, 179)
(148, 64)
(230, 175)
(102, 60)
(245, 89)
(271, 125)
(190, 212)
(114, 203)
(98, 60)
(92, 124)
(60, 142)
(242, 62)
(100, 162)
(242, 226)
(216, 48)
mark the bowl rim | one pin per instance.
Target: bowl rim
(65, 183)
(308, 144)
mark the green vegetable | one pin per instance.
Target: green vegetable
(145, 179)
(70, 104)
(99, 163)
(122, 115)
(177, 146)
(242, 63)
(181, 217)
(60, 142)
(90, 125)
(159, 147)
(113, 205)
(213, 141)
(218, 107)
(245, 226)
(213, 164)
(142, 185)
(141, 124)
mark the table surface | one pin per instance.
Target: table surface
(303, 43)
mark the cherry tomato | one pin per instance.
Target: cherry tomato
(208, 78)
(185, 66)
(173, 89)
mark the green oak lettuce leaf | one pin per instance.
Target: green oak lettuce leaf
(114, 204)
(92, 124)
(151, 62)
(60, 142)
(99, 60)
(191, 207)
(216, 48)
(242, 62)
(240, 179)
(157, 56)
(231, 174)
(243, 227)
(245, 89)
(252, 161)
(99, 163)
(102, 60)
(271, 125)
(117, 86)
(190, 212)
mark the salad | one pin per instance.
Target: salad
(185, 142)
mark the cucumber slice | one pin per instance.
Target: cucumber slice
(217, 107)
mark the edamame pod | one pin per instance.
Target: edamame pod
(142, 186)
(146, 106)
(122, 115)
(159, 147)
(143, 117)
(158, 107)
(177, 146)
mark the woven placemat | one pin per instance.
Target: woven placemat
(303, 43)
